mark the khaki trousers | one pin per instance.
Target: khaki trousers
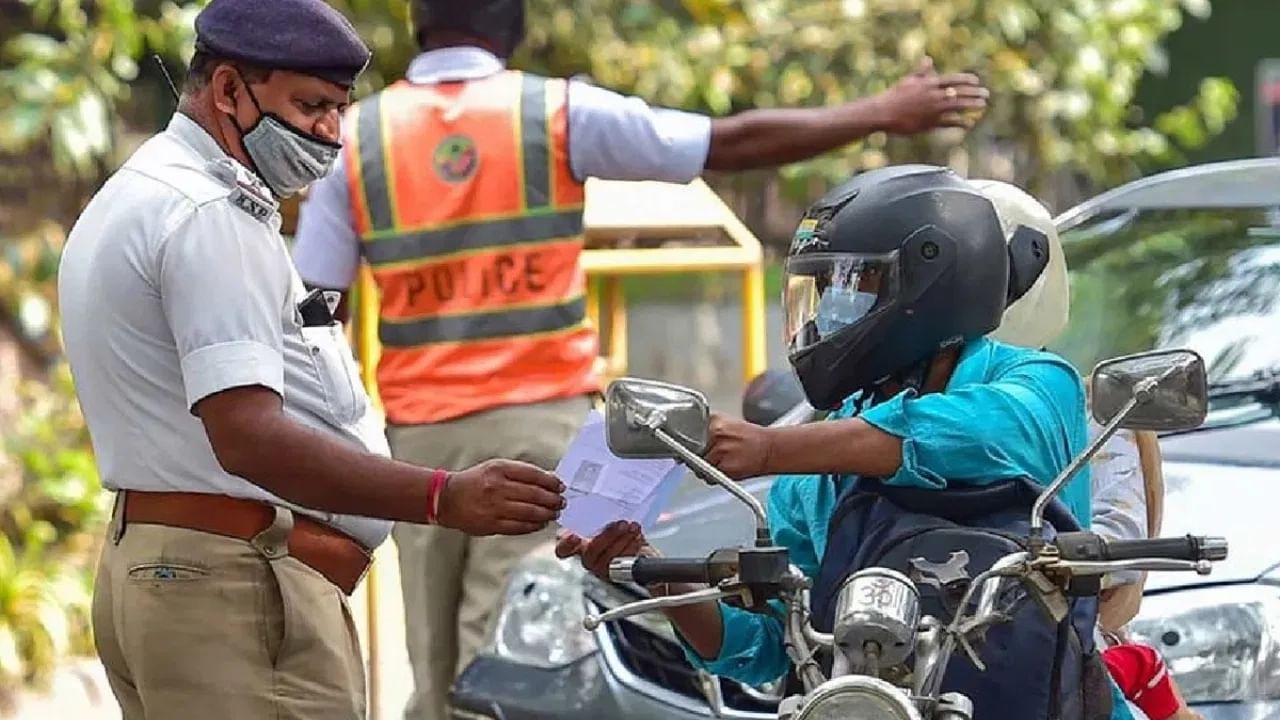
(195, 626)
(452, 582)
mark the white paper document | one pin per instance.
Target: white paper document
(601, 488)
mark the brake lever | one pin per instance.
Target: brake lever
(591, 622)
(1088, 567)
(1045, 574)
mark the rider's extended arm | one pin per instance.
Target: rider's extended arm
(751, 645)
(1026, 422)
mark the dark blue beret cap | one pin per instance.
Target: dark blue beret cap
(305, 36)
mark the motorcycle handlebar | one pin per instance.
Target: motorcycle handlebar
(658, 570)
(1193, 548)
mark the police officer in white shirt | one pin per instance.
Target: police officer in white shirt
(223, 402)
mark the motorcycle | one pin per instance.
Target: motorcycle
(878, 625)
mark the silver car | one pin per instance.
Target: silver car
(1193, 259)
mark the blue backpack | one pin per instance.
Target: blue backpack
(1035, 669)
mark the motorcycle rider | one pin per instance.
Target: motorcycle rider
(894, 279)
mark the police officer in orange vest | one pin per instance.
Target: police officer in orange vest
(462, 187)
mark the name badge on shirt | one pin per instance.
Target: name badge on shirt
(247, 192)
(252, 203)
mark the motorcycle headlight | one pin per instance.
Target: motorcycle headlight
(857, 696)
(539, 621)
(1221, 644)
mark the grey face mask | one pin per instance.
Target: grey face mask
(286, 158)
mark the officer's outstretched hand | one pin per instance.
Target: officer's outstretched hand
(500, 497)
(617, 539)
(925, 100)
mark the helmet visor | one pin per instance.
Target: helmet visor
(827, 292)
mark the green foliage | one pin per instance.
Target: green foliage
(28, 290)
(49, 530)
(67, 69)
(51, 505)
(1062, 74)
(385, 27)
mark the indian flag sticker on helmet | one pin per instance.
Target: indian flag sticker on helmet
(805, 235)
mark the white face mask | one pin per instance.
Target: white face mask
(840, 307)
(286, 158)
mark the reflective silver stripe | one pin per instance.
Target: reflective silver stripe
(373, 164)
(482, 326)
(534, 139)
(424, 244)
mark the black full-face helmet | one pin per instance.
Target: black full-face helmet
(884, 272)
(500, 22)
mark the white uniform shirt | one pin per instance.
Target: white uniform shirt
(611, 137)
(1119, 494)
(175, 284)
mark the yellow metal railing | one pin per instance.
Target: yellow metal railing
(620, 215)
(364, 314)
(617, 214)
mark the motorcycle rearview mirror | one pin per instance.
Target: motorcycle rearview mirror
(635, 408)
(647, 419)
(1157, 390)
(1179, 399)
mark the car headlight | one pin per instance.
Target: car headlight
(857, 696)
(539, 621)
(1221, 644)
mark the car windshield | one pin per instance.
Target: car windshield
(1204, 279)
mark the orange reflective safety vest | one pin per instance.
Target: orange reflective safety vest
(471, 220)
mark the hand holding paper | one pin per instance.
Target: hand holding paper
(601, 488)
(617, 539)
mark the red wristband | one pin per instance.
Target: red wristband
(438, 480)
